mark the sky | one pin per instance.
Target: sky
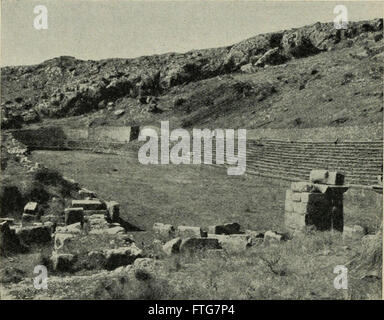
(126, 29)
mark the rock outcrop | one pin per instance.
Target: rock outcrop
(66, 86)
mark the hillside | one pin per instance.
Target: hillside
(313, 76)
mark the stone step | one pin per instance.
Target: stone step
(320, 165)
(304, 176)
(347, 162)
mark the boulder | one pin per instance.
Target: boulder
(165, 231)
(228, 228)
(88, 204)
(172, 246)
(62, 261)
(73, 215)
(194, 244)
(187, 232)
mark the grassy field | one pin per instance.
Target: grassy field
(197, 195)
(297, 269)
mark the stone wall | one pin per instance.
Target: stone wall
(67, 138)
(373, 132)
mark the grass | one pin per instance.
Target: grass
(197, 195)
(298, 269)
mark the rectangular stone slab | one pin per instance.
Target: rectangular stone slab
(326, 177)
(93, 204)
(30, 208)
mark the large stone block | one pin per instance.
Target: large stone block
(318, 176)
(326, 177)
(289, 205)
(296, 196)
(194, 244)
(288, 194)
(113, 208)
(34, 234)
(187, 231)
(9, 242)
(30, 208)
(313, 198)
(312, 203)
(228, 228)
(73, 215)
(300, 207)
(89, 204)
(233, 243)
(302, 186)
(96, 212)
(86, 194)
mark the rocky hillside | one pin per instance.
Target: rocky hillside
(311, 76)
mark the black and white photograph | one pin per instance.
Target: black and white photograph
(191, 150)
